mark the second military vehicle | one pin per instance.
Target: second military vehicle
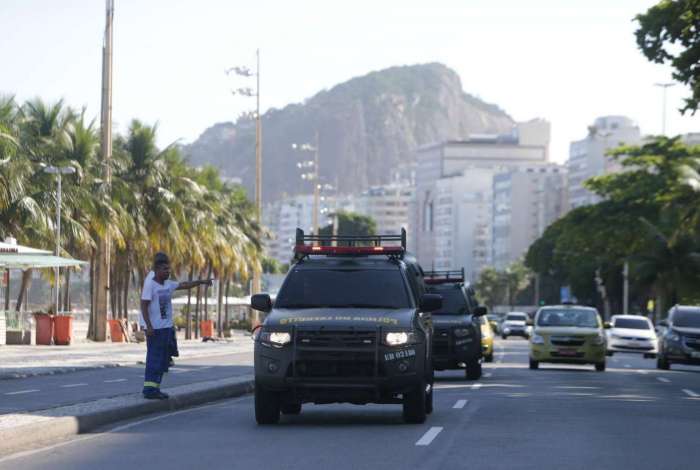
(347, 325)
(458, 337)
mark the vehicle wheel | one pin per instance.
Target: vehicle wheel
(662, 363)
(649, 356)
(609, 353)
(267, 406)
(489, 358)
(504, 337)
(534, 364)
(600, 367)
(473, 371)
(414, 409)
(291, 408)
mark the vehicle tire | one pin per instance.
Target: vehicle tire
(414, 409)
(291, 408)
(267, 406)
(609, 353)
(600, 367)
(504, 337)
(429, 401)
(649, 356)
(473, 371)
(489, 358)
(534, 364)
(662, 363)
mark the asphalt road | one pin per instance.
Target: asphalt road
(631, 416)
(38, 393)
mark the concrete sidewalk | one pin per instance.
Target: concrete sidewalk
(28, 361)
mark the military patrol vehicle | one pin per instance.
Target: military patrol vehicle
(457, 342)
(348, 325)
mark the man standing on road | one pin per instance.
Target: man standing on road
(157, 316)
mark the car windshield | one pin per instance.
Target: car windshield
(632, 324)
(577, 317)
(336, 288)
(512, 317)
(687, 318)
(453, 302)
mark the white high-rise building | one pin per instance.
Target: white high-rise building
(452, 214)
(587, 157)
(388, 205)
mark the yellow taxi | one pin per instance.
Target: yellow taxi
(486, 339)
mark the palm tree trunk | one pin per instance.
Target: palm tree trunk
(66, 293)
(228, 287)
(7, 290)
(206, 295)
(26, 276)
(219, 326)
(91, 322)
(188, 314)
(196, 310)
(125, 287)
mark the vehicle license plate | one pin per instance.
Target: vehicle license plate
(695, 355)
(567, 352)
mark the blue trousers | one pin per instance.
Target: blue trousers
(158, 352)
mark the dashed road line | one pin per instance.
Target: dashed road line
(691, 393)
(460, 404)
(74, 385)
(429, 436)
(476, 386)
(488, 374)
(627, 366)
(663, 379)
(113, 381)
(21, 392)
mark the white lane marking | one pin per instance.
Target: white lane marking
(117, 429)
(429, 436)
(459, 405)
(691, 393)
(21, 392)
(488, 374)
(179, 371)
(627, 366)
(663, 379)
(74, 385)
(476, 386)
(203, 368)
(113, 381)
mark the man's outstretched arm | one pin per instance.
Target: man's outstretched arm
(192, 284)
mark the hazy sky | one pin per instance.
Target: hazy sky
(568, 61)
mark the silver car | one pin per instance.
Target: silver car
(632, 333)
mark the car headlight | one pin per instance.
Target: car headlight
(398, 338)
(276, 338)
(673, 337)
(506, 330)
(462, 332)
(537, 339)
(599, 339)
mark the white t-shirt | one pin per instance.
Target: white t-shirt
(160, 310)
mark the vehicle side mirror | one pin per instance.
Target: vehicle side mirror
(261, 302)
(663, 323)
(430, 302)
(480, 311)
(607, 325)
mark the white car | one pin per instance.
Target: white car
(632, 333)
(515, 324)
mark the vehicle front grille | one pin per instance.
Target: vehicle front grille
(634, 338)
(441, 342)
(692, 342)
(335, 354)
(336, 339)
(567, 340)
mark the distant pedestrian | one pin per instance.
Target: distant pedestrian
(157, 317)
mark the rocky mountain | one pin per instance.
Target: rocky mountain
(369, 127)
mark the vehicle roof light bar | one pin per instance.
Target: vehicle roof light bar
(444, 277)
(349, 245)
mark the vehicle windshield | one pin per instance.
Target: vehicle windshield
(687, 319)
(343, 288)
(453, 302)
(577, 317)
(514, 317)
(632, 324)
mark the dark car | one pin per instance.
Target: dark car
(457, 338)
(679, 342)
(347, 326)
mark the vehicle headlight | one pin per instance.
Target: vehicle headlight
(462, 332)
(673, 337)
(599, 339)
(506, 330)
(276, 338)
(537, 339)
(398, 338)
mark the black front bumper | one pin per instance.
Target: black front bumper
(450, 351)
(348, 365)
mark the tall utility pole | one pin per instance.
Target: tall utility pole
(665, 87)
(256, 287)
(626, 288)
(102, 284)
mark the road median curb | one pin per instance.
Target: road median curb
(23, 431)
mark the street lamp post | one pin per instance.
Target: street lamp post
(58, 171)
(665, 87)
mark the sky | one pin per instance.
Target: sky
(568, 61)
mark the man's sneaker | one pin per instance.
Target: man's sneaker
(157, 395)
